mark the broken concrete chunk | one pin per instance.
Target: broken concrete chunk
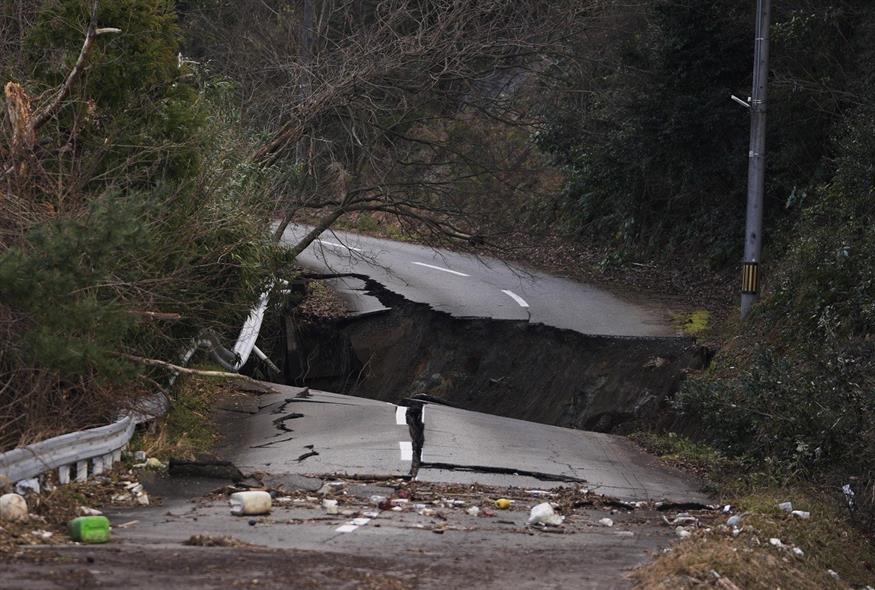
(606, 522)
(13, 508)
(86, 511)
(330, 506)
(801, 514)
(682, 532)
(786, 506)
(251, 503)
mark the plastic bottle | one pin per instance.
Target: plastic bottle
(90, 529)
(251, 503)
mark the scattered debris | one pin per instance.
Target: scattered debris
(86, 511)
(734, 520)
(90, 529)
(606, 522)
(801, 514)
(786, 506)
(26, 486)
(251, 503)
(682, 519)
(502, 503)
(330, 506)
(544, 514)
(473, 511)
(682, 532)
(13, 508)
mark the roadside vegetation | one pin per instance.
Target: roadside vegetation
(137, 191)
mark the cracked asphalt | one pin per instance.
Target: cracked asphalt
(391, 530)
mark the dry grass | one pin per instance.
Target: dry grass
(187, 429)
(697, 562)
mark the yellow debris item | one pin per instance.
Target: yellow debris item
(502, 503)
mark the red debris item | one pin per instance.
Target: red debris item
(486, 512)
(403, 493)
(385, 505)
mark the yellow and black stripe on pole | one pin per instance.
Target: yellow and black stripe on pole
(750, 278)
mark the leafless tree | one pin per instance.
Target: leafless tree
(389, 104)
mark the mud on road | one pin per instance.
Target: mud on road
(425, 536)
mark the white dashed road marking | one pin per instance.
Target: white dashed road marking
(406, 450)
(401, 415)
(442, 269)
(335, 245)
(515, 297)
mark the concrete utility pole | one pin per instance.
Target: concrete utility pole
(750, 279)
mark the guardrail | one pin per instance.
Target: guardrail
(71, 454)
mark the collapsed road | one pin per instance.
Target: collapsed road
(405, 486)
(351, 510)
(481, 335)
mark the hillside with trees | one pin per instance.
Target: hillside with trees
(153, 151)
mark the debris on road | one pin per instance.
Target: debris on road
(502, 503)
(544, 514)
(13, 508)
(606, 522)
(90, 529)
(786, 506)
(801, 514)
(330, 506)
(251, 503)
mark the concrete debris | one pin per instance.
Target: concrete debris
(13, 508)
(775, 542)
(140, 456)
(330, 506)
(801, 514)
(427, 512)
(786, 506)
(682, 532)
(544, 514)
(798, 552)
(473, 511)
(606, 522)
(251, 503)
(44, 535)
(833, 574)
(86, 511)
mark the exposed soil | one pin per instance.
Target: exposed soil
(509, 368)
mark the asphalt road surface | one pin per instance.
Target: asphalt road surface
(358, 436)
(469, 286)
(439, 530)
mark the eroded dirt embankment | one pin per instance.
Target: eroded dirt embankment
(509, 368)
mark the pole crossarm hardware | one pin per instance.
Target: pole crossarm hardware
(753, 239)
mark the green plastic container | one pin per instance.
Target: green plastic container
(90, 529)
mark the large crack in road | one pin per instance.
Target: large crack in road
(504, 367)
